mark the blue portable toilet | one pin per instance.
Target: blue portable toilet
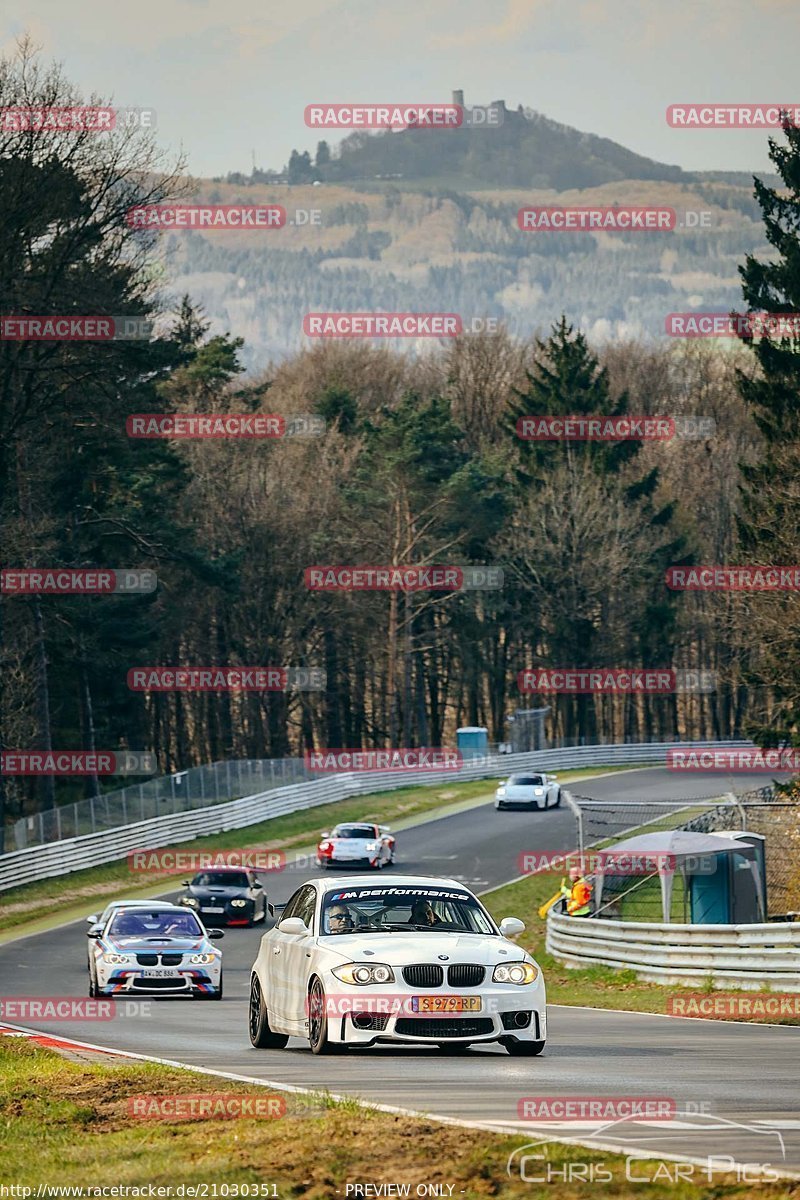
(472, 741)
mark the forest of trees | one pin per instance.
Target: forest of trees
(420, 463)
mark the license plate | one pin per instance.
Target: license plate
(212, 910)
(159, 972)
(445, 1004)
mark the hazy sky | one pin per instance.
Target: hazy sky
(230, 77)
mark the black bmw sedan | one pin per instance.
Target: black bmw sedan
(226, 897)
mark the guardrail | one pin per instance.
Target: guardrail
(740, 956)
(91, 850)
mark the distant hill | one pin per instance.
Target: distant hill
(526, 149)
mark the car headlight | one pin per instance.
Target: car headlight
(190, 900)
(501, 791)
(116, 960)
(238, 903)
(538, 791)
(202, 960)
(515, 972)
(364, 973)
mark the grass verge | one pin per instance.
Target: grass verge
(66, 897)
(67, 1124)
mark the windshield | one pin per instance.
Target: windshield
(231, 879)
(402, 909)
(155, 925)
(535, 780)
(354, 831)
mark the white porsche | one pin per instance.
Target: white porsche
(528, 789)
(356, 842)
(352, 962)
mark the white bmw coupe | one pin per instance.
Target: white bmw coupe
(351, 962)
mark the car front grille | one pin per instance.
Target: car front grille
(438, 1028)
(171, 960)
(465, 975)
(147, 960)
(151, 960)
(424, 975)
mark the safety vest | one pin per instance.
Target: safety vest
(578, 898)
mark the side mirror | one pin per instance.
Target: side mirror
(95, 933)
(215, 934)
(324, 834)
(93, 919)
(511, 926)
(185, 882)
(293, 925)
(258, 884)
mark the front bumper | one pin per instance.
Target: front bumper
(183, 981)
(208, 913)
(507, 1012)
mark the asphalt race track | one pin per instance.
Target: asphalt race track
(735, 1085)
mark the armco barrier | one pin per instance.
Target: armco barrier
(91, 850)
(735, 956)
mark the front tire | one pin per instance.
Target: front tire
(525, 1049)
(261, 1036)
(558, 799)
(93, 992)
(318, 1022)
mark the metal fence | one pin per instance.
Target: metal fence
(106, 845)
(759, 811)
(217, 783)
(186, 791)
(737, 956)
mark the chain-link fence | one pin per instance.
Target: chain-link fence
(639, 898)
(185, 791)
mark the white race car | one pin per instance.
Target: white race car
(528, 789)
(161, 949)
(357, 842)
(352, 962)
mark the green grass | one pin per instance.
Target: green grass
(67, 1124)
(68, 897)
